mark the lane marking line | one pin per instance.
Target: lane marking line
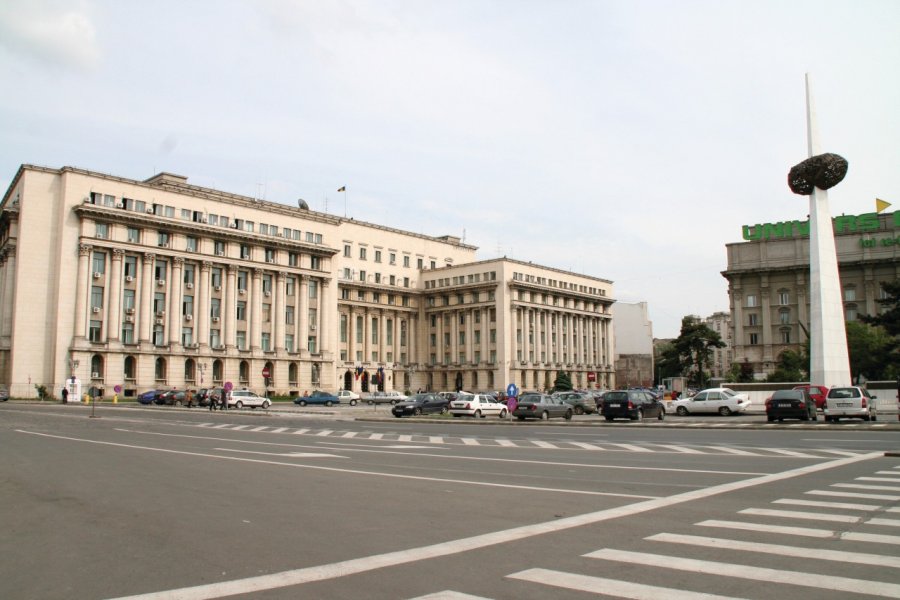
(794, 514)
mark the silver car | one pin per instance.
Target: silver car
(242, 398)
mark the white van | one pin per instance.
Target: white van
(852, 402)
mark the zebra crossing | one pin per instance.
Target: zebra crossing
(809, 571)
(562, 444)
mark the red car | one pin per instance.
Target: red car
(816, 392)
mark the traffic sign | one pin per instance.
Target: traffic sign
(512, 390)
(228, 386)
(266, 372)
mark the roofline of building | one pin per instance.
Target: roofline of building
(169, 181)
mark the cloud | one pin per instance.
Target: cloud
(50, 32)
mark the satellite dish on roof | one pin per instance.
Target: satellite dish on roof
(302, 204)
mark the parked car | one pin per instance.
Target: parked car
(317, 397)
(451, 396)
(241, 398)
(391, 397)
(791, 404)
(4, 394)
(171, 398)
(632, 404)
(477, 405)
(419, 404)
(580, 402)
(852, 402)
(723, 401)
(541, 406)
(816, 392)
(348, 396)
(149, 397)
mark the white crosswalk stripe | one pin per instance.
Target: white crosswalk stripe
(763, 528)
(887, 522)
(610, 587)
(778, 549)
(821, 504)
(853, 495)
(795, 514)
(862, 486)
(825, 582)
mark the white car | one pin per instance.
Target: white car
(850, 402)
(391, 397)
(477, 405)
(723, 401)
(242, 398)
(348, 396)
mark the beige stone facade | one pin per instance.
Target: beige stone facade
(159, 284)
(768, 281)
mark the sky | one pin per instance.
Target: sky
(625, 140)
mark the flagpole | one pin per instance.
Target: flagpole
(343, 188)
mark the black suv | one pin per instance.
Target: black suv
(632, 404)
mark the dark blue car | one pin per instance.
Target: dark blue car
(317, 397)
(150, 396)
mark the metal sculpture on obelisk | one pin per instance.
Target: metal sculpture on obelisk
(829, 360)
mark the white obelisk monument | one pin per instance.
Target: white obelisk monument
(829, 363)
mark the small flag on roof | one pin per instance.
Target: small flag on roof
(343, 188)
(880, 204)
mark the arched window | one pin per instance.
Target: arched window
(271, 369)
(292, 374)
(475, 380)
(244, 372)
(217, 371)
(160, 369)
(130, 368)
(189, 367)
(96, 367)
(315, 374)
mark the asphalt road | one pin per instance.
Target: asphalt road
(178, 503)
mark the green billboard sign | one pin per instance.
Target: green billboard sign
(864, 223)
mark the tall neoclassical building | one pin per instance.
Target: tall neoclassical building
(160, 283)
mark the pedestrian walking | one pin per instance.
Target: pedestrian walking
(65, 395)
(212, 401)
(189, 397)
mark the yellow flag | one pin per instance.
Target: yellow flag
(880, 204)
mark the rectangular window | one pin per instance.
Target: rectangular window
(362, 254)
(101, 230)
(265, 341)
(162, 239)
(215, 338)
(311, 344)
(289, 315)
(266, 313)
(187, 336)
(785, 336)
(219, 248)
(130, 266)
(187, 305)
(189, 275)
(343, 329)
(216, 277)
(159, 303)
(241, 311)
(378, 256)
(128, 300)
(158, 337)
(393, 258)
(420, 262)
(347, 250)
(754, 339)
(94, 331)
(359, 329)
(127, 333)
(98, 262)
(96, 296)
(215, 308)
(241, 340)
(784, 298)
(313, 288)
(753, 319)
(293, 259)
(289, 284)
(191, 244)
(751, 301)
(315, 263)
(242, 277)
(405, 261)
(289, 342)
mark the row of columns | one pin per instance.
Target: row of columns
(586, 339)
(173, 319)
(381, 316)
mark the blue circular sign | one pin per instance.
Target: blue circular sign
(512, 390)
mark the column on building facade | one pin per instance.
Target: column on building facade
(412, 329)
(279, 309)
(454, 336)
(737, 311)
(81, 291)
(395, 338)
(303, 304)
(351, 334)
(513, 337)
(470, 336)
(592, 342)
(367, 336)
(203, 305)
(174, 320)
(558, 345)
(114, 303)
(538, 330)
(327, 295)
(485, 335)
(229, 310)
(254, 337)
(382, 339)
(5, 309)
(766, 319)
(145, 309)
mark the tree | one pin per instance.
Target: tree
(889, 322)
(791, 366)
(870, 350)
(741, 372)
(667, 362)
(563, 382)
(694, 347)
